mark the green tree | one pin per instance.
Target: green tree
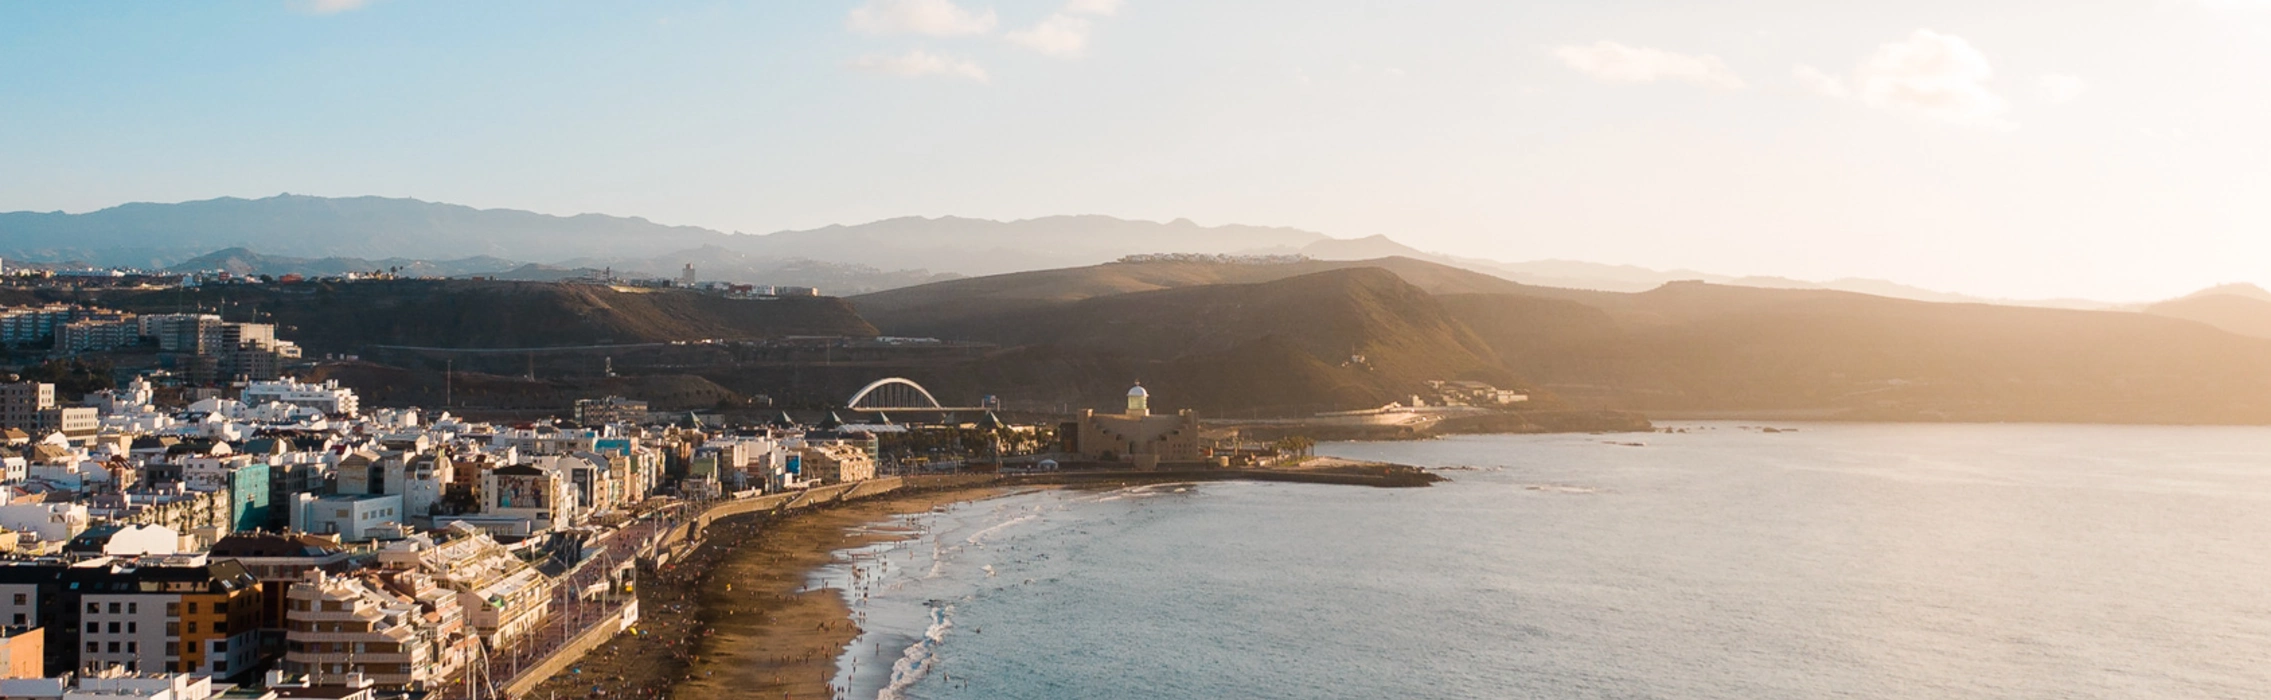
(1296, 445)
(74, 376)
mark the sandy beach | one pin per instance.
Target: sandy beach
(732, 620)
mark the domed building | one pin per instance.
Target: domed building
(1137, 437)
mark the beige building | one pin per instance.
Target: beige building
(836, 463)
(613, 409)
(22, 649)
(505, 598)
(1136, 436)
(407, 633)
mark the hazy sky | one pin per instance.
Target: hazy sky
(2118, 149)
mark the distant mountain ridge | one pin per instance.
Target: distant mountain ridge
(2244, 309)
(324, 234)
(243, 261)
(154, 236)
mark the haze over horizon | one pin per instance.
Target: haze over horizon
(2016, 150)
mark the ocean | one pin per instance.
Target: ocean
(1833, 561)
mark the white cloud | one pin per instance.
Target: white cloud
(2060, 89)
(919, 63)
(1933, 75)
(1059, 35)
(931, 17)
(1618, 63)
(333, 7)
(1102, 8)
(1828, 85)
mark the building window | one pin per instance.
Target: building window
(130, 628)
(173, 629)
(173, 649)
(130, 648)
(94, 627)
(173, 610)
(19, 620)
(22, 599)
(93, 647)
(114, 608)
(192, 607)
(192, 626)
(133, 608)
(173, 667)
(114, 647)
(114, 628)
(94, 607)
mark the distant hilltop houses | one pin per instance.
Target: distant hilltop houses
(1218, 259)
(69, 276)
(199, 347)
(687, 279)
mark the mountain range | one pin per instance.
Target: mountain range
(323, 235)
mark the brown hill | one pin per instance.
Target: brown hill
(348, 317)
(2242, 313)
(938, 307)
(384, 385)
(1699, 347)
(1329, 340)
(1683, 347)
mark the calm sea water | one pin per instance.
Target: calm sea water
(1839, 561)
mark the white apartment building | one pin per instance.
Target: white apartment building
(327, 397)
(111, 685)
(353, 517)
(52, 522)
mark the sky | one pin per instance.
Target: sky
(2108, 149)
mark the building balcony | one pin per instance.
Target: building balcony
(301, 657)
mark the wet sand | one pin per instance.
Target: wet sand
(732, 621)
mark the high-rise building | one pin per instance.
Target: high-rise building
(21, 402)
(195, 334)
(401, 631)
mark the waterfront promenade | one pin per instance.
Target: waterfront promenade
(597, 596)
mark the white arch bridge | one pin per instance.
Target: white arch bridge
(901, 395)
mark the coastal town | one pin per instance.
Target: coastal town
(212, 527)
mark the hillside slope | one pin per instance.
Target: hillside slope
(942, 307)
(348, 317)
(1330, 340)
(1699, 347)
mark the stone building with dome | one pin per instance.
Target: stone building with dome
(1137, 437)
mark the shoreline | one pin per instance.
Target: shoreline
(736, 618)
(741, 615)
